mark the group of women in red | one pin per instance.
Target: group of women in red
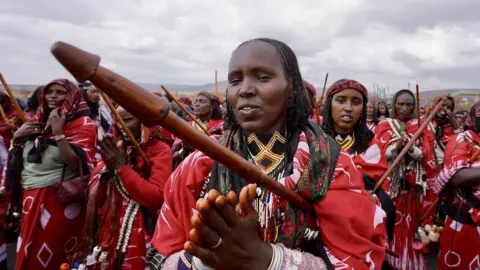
(164, 205)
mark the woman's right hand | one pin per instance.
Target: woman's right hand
(28, 129)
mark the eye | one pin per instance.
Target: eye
(264, 78)
(234, 81)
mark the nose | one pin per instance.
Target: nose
(348, 106)
(247, 88)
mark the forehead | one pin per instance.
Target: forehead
(56, 87)
(255, 54)
(202, 97)
(404, 97)
(351, 93)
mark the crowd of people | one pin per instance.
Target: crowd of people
(78, 193)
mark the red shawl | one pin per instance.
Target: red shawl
(373, 161)
(11, 113)
(350, 225)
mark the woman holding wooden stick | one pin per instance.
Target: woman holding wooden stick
(267, 124)
(13, 120)
(128, 193)
(458, 186)
(408, 182)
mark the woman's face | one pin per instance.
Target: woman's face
(447, 107)
(370, 110)
(202, 106)
(92, 95)
(259, 90)
(404, 106)
(132, 123)
(382, 109)
(55, 96)
(347, 108)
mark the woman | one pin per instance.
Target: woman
(382, 111)
(267, 124)
(461, 116)
(409, 179)
(33, 102)
(58, 145)
(423, 109)
(100, 113)
(8, 128)
(312, 97)
(126, 188)
(458, 186)
(371, 120)
(206, 109)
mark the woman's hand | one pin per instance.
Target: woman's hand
(112, 154)
(227, 239)
(453, 120)
(28, 129)
(57, 121)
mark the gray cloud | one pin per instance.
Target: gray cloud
(435, 43)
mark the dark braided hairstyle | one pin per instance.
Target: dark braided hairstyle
(363, 135)
(299, 107)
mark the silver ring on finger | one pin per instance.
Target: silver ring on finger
(218, 244)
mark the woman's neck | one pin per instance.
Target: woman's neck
(204, 118)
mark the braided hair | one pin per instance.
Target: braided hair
(363, 135)
(299, 107)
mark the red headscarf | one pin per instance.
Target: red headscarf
(473, 118)
(346, 84)
(310, 88)
(185, 100)
(439, 98)
(73, 105)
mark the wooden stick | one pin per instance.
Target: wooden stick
(124, 127)
(216, 83)
(408, 145)
(13, 99)
(153, 110)
(323, 91)
(418, 105)
(194, 119)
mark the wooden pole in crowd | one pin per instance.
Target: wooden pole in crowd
(408, 145)
(21, 114)
(216, 83)
(119, 120)
(152, 110)
(194, 119)
(418, 104)
(323, 91)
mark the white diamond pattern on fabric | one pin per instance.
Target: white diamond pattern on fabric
(44, 250)
(45, 217)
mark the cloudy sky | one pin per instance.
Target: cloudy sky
(435, 43)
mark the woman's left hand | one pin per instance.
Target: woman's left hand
(223, 238)
(112, 154)
(57, 121)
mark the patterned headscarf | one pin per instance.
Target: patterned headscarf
(439, 98)
(395, 97)
(73, 106)
(473, 119)
(347, 84)
(185, 100)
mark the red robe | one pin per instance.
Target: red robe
(350, 224)
(51, 231)
(5, 132)
(147, 193)
(459, 243)
(408, 203)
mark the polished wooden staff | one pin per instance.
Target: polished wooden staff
(13, 99)
(153, 110)
(323, 92)
(119, 120)
(194, 119)
(408, 145)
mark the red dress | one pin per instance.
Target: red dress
(460, 240)
(408, 200)
(350, 225)
(128, 193)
